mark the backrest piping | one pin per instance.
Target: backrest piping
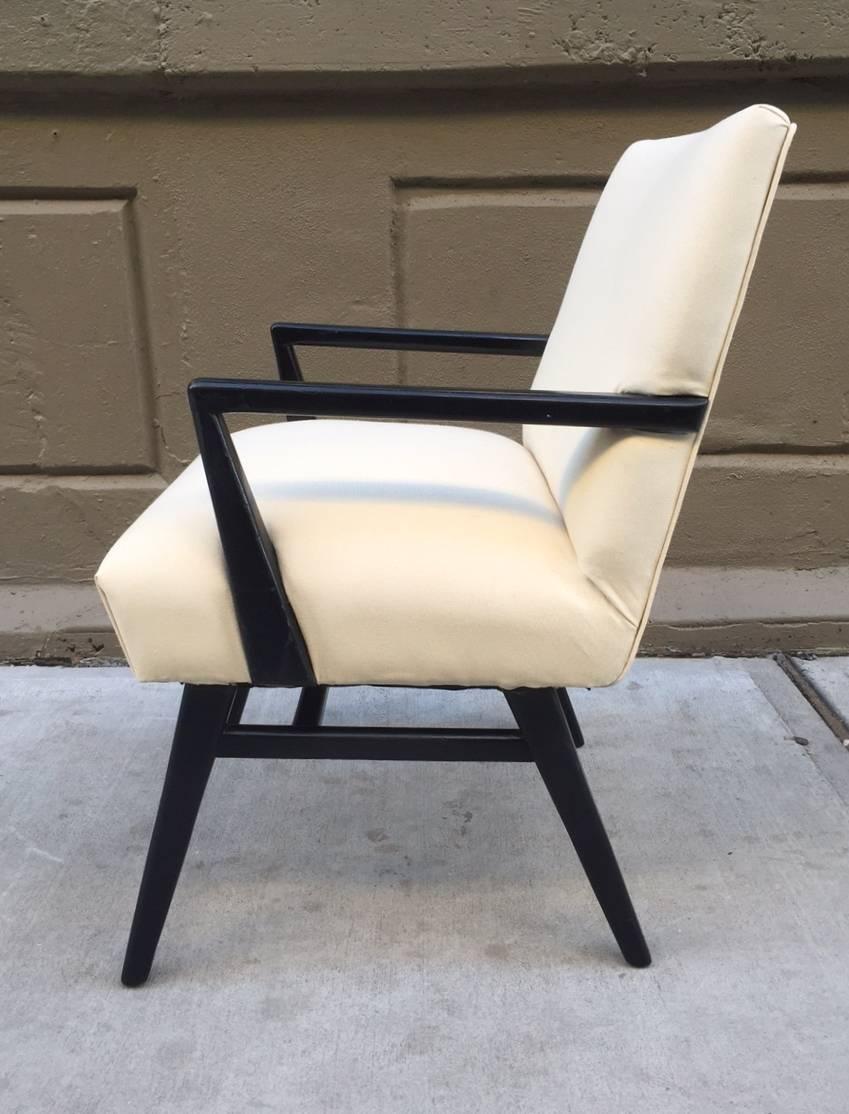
(738, 305)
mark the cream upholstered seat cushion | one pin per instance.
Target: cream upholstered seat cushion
(416, 554)
(434, 555)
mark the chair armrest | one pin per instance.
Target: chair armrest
(648, 413)
(274, 646)
(285, 336)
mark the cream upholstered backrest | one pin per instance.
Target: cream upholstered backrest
(650, 307)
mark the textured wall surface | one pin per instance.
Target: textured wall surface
(163, 38)
(152, 227)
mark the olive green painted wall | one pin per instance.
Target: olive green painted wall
(173, 178)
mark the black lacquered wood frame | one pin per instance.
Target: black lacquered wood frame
(274, 645)
(287, 337)
(210, 725)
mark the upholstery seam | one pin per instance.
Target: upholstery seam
(114, 623)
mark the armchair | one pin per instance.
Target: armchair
(340, 551)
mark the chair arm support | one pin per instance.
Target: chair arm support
(648, 413)
(284, 334)
(274, 645)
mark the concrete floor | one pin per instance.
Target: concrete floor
(392, 938)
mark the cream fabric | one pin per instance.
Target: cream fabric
(412, 554)
(650, 307)
(439, 555)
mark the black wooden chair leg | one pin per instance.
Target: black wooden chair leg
(237, 706)
(310, 707)
(203, 713)
(571, 719)
(539, 714)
